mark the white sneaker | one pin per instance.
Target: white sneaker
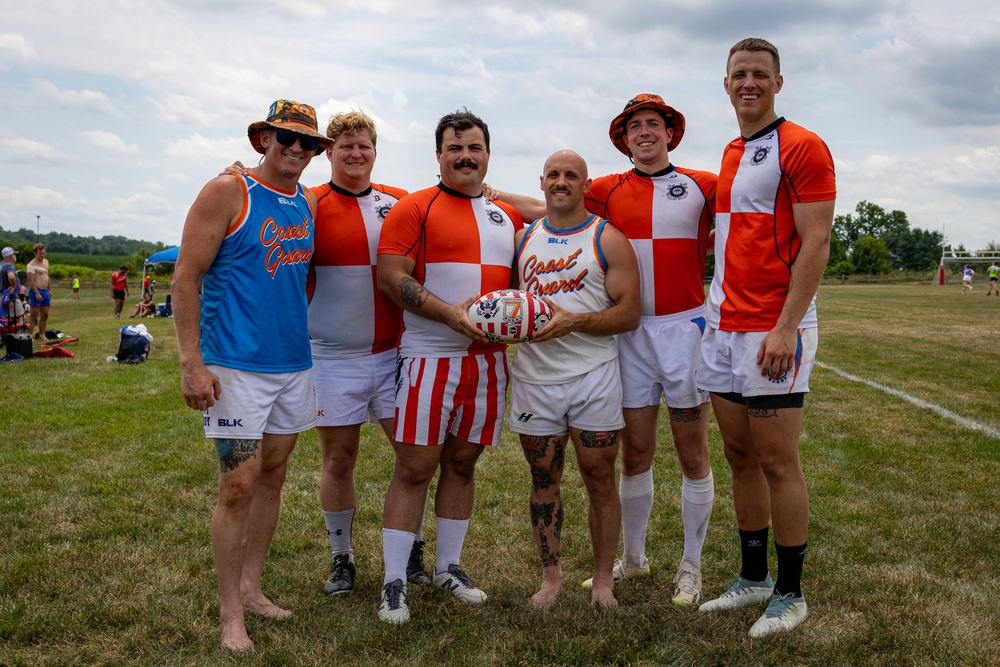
(687, 585)
(395, 607)
(458, 582)
(741, 593)
(784, 612)
(622, 571)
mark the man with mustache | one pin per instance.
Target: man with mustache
(440, 249)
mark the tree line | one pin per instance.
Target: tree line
(23, 240)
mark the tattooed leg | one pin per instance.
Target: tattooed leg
(546, 456)
(596, 452)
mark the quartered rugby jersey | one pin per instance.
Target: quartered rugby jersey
(755, 238)
(667, 218)
(462, 246)
(348, 316)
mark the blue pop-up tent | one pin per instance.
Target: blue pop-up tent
(168, 256)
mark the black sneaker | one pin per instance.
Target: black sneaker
(341, 576)
(415, 572)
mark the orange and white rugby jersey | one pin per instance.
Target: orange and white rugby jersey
(667, 217)
(755, 239)
(462, 246)
(348, 316)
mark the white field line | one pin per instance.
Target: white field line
(944, 412)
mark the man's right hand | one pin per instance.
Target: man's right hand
(201, 387)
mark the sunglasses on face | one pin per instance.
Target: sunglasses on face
(287, 138)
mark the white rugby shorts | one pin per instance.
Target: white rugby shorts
(253, 404)
(460, 396)
(659, 360)
(355, 391)
(591, 402)
(729, 364)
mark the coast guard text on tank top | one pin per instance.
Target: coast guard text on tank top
(348, 316)
(253, 314)
(755, 239)
(568, 267)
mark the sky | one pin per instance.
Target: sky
(115, 113)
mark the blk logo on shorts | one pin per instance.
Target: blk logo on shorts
(525, 416)
(229, 423)
(319, 413)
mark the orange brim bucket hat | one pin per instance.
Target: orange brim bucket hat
(288, 115)
(673, 117)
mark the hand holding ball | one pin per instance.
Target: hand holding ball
(509, 316)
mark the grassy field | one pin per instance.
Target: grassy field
(107, 486)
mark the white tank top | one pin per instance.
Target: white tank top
(568, 267)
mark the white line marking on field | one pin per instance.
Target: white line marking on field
(944, 412)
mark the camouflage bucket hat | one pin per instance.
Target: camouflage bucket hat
(288, 115)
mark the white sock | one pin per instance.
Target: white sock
(450, 540)
(339, 526)
(697, 498)
(396, 546)
(636, 493)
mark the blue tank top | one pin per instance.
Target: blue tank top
(253, 314)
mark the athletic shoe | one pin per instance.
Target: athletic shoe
(741, 593)
(341, 576)
(622, 571)
(458, 582)
(395, 607)
(687, 584)
(415, 572)
(784, 613)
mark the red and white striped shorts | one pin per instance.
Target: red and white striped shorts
(463, 397)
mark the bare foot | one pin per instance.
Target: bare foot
(266, 609)
(547, 594)
(234, 636)
(603, 596)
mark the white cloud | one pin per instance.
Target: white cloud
(17, 46)
(89, 101)
(108, 141)
(28, 149)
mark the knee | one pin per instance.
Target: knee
(236, 495)
(599, 479)
(412, 474)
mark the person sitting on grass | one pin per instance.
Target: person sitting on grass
(146, 307)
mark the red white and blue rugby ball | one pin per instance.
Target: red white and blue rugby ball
(509, 315)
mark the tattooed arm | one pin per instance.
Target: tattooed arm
(396, 281)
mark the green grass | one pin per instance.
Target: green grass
(107, 486)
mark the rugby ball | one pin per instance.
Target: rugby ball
(509, 315)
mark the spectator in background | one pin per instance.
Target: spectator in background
(119, 289)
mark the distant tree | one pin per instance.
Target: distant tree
(871, 256)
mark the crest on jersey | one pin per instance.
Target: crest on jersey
(495, 217)
(678, 191)
(383, 211)
(760, 155)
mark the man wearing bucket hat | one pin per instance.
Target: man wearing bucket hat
(249, 241)
(666, 212)
(354, 367)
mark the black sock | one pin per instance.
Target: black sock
(790, 569)
(753, 547)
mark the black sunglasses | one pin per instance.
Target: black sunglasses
(287, 138)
